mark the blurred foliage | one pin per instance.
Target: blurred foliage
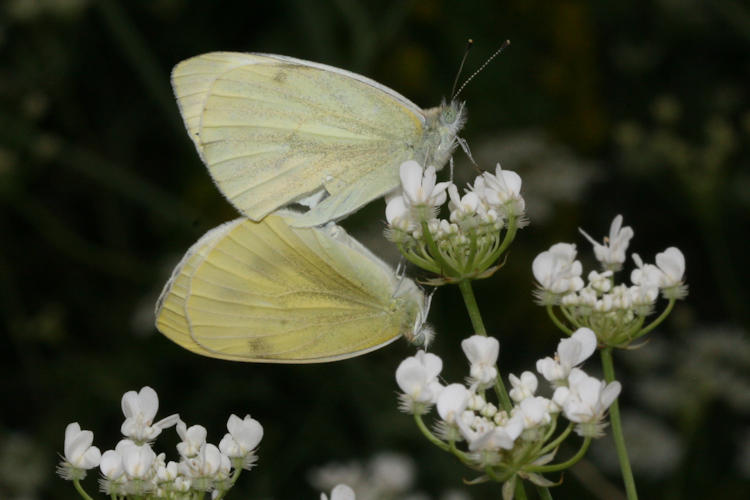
(645, 104)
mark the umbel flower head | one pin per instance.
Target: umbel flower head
(469, 242)
(510, 441)
(615, 312)
(134, 469)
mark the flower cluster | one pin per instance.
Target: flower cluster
(616, 312)
(517, 437)
(468, 242)
(133, 468)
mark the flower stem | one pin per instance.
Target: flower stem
(235, 475)
(614, 418)
(478, 324)
(544, 493)
(472, 307)
(563, 465)
(445, 268)
(658, 320)
(429, 435)
(557, 322)
(520, 491)
(79, 488)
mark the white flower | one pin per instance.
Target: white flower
(643, 295)
(167, 472)
(417, 378)
(646, 275)
(137, 461)
(482, 352)
(570, 352)
(182, 484)
(462, 207)
(193, 438)
(501, 191)
(612, 253)
(667, 274)
(523, 387)
(243, 437)
(601, 282)
(419, 185)
(207, 463)
(586, 400)
(535, 411)
(140, 409)
(340, 492)
(452, 402)
(671, 262)
(111, 465)
(498, 437)
(78, 450)
(556, 269)
(398, 216)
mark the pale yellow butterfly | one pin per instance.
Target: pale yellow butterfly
(275, 130)
(268, 292)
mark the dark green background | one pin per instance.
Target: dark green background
(101, 192)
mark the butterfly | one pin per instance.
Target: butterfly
(274, 130)
(269, 292)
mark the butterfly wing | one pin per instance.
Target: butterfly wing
(269, 292)
(273, 130)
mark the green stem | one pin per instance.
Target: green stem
(658, 320)
(569, 317)
(429, 435)
(556, 320)
(435, 252)
(417, 260)
(510, 235)
(559, 439)
(459, 454)
(478, 324)
(79, 488)
(520, 491)
(472, 307)
(614, 418)
(235, 475)
(543, 493)
(563, 465)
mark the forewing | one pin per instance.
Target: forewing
(268, 292)
(273, 130)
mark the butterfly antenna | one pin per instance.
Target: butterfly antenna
(499, 51)
(469, 45)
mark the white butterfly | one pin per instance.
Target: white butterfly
(274, 130)
(268, 292)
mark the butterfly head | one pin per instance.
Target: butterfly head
(441, 129)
